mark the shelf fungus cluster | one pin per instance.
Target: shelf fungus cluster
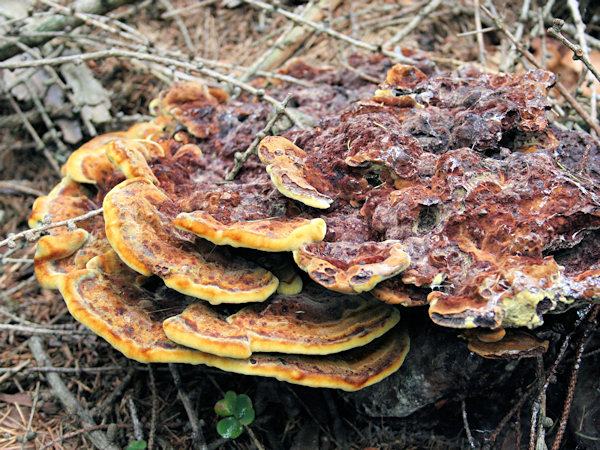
(442, 189)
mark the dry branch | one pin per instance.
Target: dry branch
(67, 399)
(559, 86)
(577, 50)
(59, 22)
(31, 235)
(323, 29)
(240, 158)
(197, 434)
(288, 42)
(199, 67)
(414, 23)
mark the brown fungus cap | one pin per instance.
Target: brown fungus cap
(89, 164)
(52, 249)
(113, 307)
(514, 344)
(145, 239)
(349, 371)
(403, 79)
(131, 156)
(312, 323)
(352, 267)
(68, 199)
(270, 235)
(192, 105)
(285, 165)
(106, 298)
(395, 292)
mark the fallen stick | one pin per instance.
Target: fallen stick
(68, 400)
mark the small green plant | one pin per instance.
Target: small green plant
(238, 412)
(137, 445)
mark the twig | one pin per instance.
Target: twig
(197, 435)
(99, 21)
(568, 28)
(103, 409)
(35, 330)
(16, 186)
(64, 369)
(551, 373)
(39, 143)
(13, 370)
(591, 318)
(187, 9)
(507, 64)
(478, 28)
(289, 41)
(179, 21)
(240, 158)
(46, 119)
(19, 286)
(31, 414)
(583, 55)
(57, 22)
(544, 46)
(22, 321)
(138, 433)
(253, 437)
(354, 70)
(472, 32)
(76, 433)
(466, 424)
(517, 406)
(323, 29)
(578, 52)
(154, 414)
(30, 235)
(338, 428)
(414, 23)
(101, 42)
(559, 86)
(536, 431)
(5, 260)
(199, 67)
(68, 400)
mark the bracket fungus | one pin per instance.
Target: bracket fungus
(147, 241)
(270, 235)
(352, 267)
(309, 324)
(285, 165)
(444, 190)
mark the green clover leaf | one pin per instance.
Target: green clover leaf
(242, 409)
(225, 406)
(229, 427)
